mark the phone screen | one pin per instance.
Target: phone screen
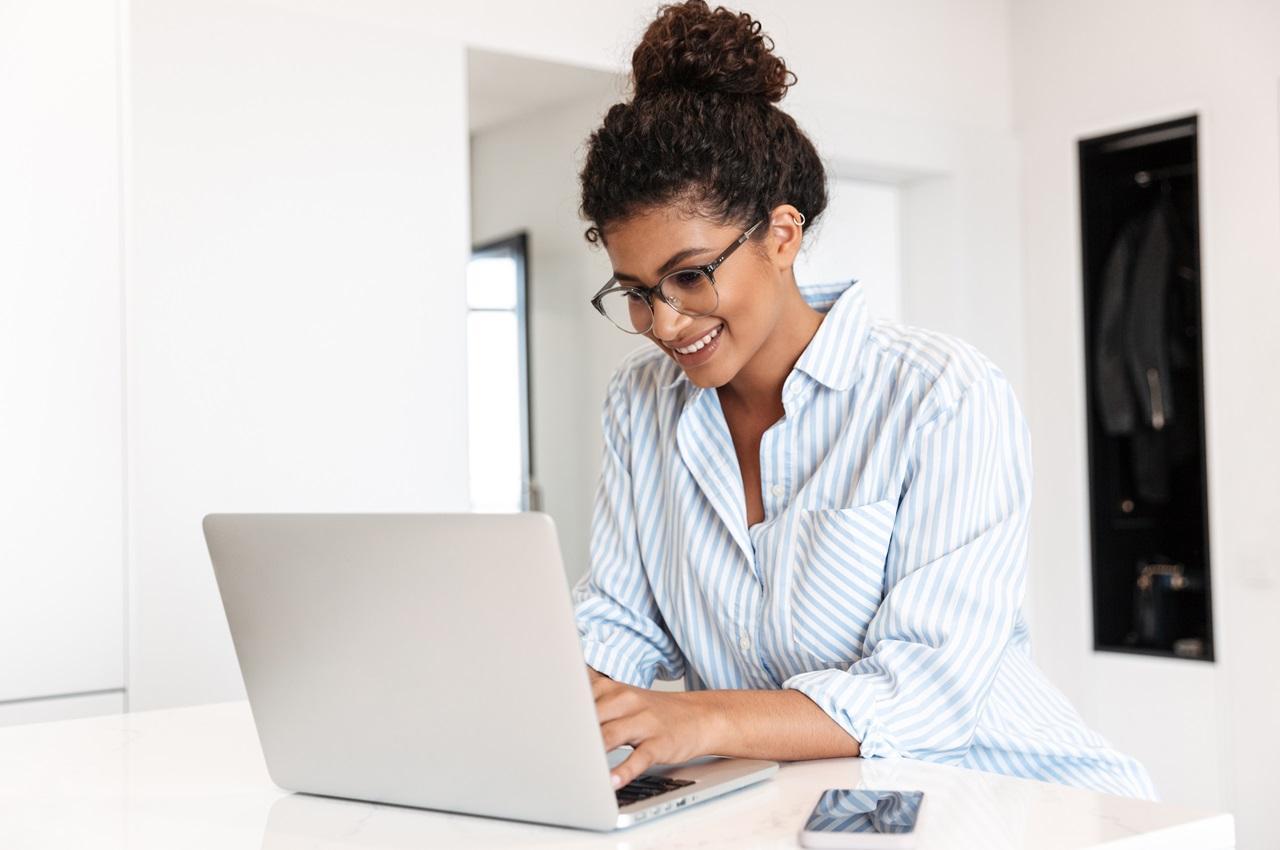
(860, 810)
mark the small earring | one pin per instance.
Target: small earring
(800, 220)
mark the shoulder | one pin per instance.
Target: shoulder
(935, 369)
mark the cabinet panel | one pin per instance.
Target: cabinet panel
(61, 471)
(1139, 201)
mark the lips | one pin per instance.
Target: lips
(700, 349)
(692, 345)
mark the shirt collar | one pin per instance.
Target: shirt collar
(831, 357)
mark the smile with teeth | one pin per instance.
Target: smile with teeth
(697, 346)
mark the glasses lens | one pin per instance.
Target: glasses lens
(691, 292)
(628, 311)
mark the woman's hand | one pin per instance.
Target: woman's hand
(664, 727)
(668, 727)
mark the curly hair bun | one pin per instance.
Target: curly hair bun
(691, 47)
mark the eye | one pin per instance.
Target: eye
(688, 279)
(635, 295)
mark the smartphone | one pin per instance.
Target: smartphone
(861, 819)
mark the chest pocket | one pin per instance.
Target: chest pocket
(838, 578)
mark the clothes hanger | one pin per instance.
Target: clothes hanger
(1162, 176)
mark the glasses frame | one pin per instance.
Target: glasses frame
(647, 292)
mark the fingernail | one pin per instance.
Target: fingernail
(615, 779)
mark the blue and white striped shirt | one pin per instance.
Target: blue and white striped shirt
(886, 579)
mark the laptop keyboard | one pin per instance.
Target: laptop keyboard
(644, 787)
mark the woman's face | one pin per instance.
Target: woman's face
(749, 285)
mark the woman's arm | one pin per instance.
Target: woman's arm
(618, 620)
(671, 727)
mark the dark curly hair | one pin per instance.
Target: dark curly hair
(701, 129)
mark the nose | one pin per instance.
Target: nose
(667, 321)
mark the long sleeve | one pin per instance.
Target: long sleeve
(622, 632)
(954, 580)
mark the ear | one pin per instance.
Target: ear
(785, 236)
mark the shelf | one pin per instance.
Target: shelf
(1139, 218)
(1155, 653)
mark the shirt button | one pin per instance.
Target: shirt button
(777, 490)
(744, 642)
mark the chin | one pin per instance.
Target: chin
(716, 372)
(708, 378)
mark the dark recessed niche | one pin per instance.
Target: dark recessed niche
(1139, 214)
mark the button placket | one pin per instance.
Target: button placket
(747, 639)
(773, 470)
(775, 475)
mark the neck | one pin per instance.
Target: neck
(758, 385)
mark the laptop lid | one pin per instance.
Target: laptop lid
(419, 659)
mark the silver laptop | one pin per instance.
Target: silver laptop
(430, 660)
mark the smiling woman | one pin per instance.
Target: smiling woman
(818, 519)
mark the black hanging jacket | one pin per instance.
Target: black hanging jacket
(1138, 340)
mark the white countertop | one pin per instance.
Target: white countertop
(194, 778)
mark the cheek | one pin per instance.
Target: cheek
(746, 321)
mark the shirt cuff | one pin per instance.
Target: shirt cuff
(613, 663)
(850, 701)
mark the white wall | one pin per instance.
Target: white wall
(61, 499)
(296, 205)
(295, 217)
(524, 177)
(1207, 731)
(298, 243)
(858, 236)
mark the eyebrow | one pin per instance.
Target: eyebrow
(676, 258)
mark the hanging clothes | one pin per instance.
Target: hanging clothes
(1140, 339)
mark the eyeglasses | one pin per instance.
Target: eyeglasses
(691, 291)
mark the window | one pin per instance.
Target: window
(498, 376)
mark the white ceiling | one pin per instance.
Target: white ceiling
(503, 86)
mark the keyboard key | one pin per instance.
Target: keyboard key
(645, 786)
